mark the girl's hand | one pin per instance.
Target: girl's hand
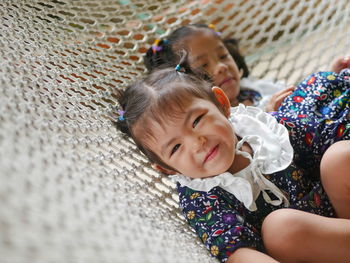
(340, 63)
(277, 99)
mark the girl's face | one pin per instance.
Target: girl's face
(199, 142)
(207, 52)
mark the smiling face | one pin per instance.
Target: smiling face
(197, 142)
(207, 52)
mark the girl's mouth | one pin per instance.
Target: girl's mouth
(227, 80)
(211, 154)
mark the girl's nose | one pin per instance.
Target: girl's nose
(220, 68)
(198, 143)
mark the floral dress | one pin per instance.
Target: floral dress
(316, 115)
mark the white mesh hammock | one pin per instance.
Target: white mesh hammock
(72, 188)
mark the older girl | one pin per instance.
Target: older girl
(221, 61)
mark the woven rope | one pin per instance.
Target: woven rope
(73, 189)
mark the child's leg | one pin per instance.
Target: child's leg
(295, 236)
(335, 177)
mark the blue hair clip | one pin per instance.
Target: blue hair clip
(178, 68)
(121, 115)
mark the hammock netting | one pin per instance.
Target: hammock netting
(72, 188)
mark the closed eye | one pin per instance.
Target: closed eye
(224, 56)
(197, 120)
(174, 149)
(205, 65)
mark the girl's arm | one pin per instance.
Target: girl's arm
(248, 255)
(316, 115)
(219, 221)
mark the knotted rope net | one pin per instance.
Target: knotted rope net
(72, 188)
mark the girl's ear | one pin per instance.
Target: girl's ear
(222, 99)
(161, 169)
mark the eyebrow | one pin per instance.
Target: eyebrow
(187, 118)
(220, 47)
(165, 146)
(199, 57)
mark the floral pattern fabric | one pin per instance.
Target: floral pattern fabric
(316, 115)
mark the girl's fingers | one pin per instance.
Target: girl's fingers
(284, 91)
(281, 98)
(340, 63)
(277, 98)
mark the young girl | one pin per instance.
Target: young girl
(220, 60)
(241, 185)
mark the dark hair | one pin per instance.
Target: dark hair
(167, 55)
(163, 93)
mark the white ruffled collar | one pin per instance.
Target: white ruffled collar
(272, 152)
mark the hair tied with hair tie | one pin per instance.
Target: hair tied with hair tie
(121, 115)
(213, 27)
(155, 46)
(156, 42)
(178, 68)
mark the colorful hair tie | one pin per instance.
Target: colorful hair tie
(155, 46)
(156, 42)
(178, 68)
(121, 115)
(212, 26)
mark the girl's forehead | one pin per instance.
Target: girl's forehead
(202, 44)
(150, 130)
(200, 36)
(163, 115)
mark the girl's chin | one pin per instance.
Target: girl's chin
(232, 96)
(225, 168)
